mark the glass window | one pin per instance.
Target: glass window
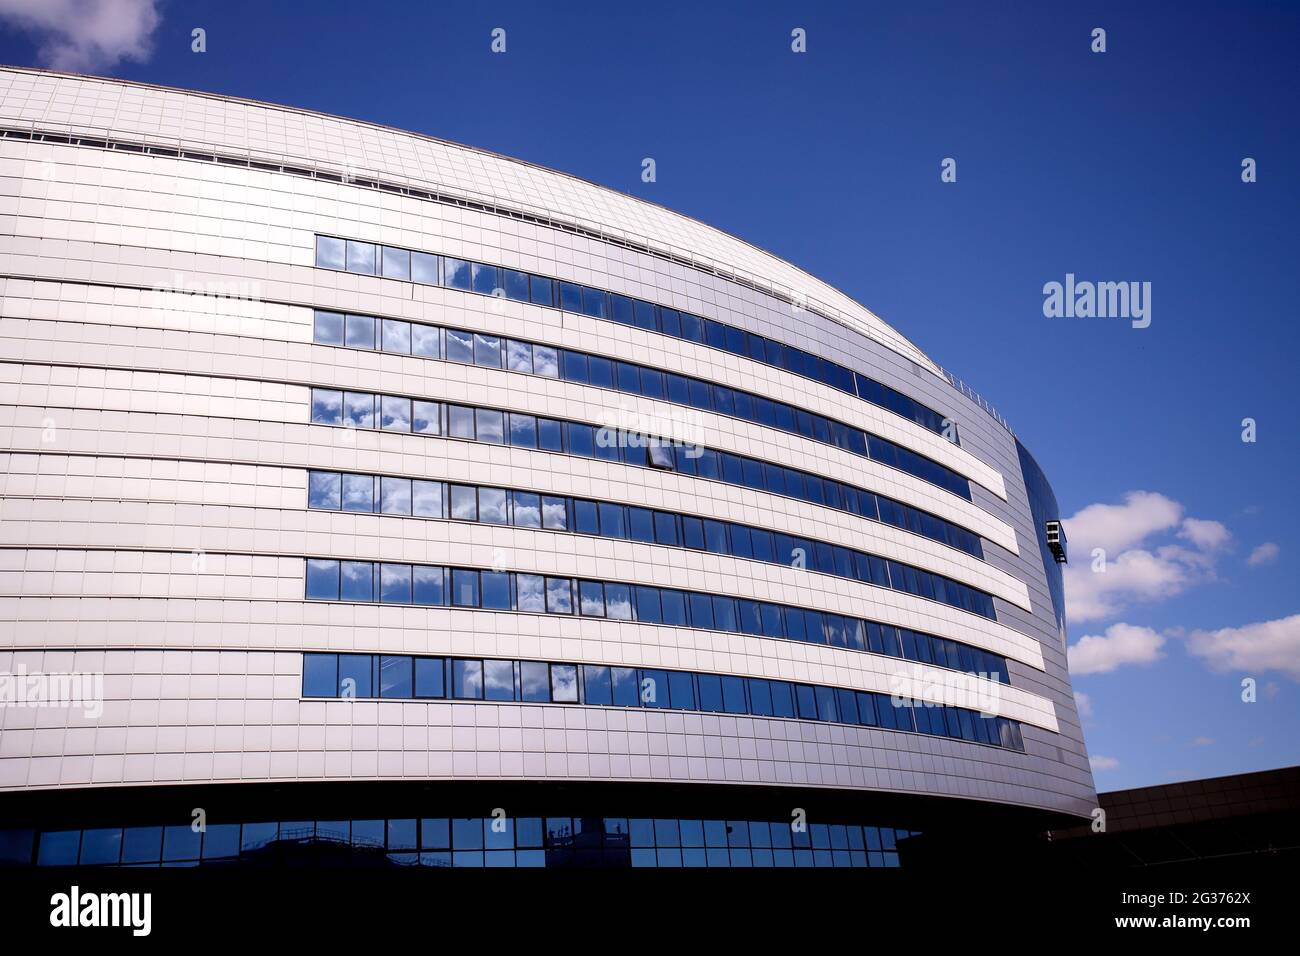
(460, 421)
(681, 690)
(546, 361)
(324, 490)
(523, 430)
(724, 613)
(733, 695)
(320, 675)
(426, 418)
(455, 274)
(600, 518)
(467, 680)
(554, 513)
(596, 684)
(395, 413)
(484, 278)
(429, 585)
(575, 367)
(600, 372)
(460, 346)
(582, 440)
(618, 602)
(397, 263)
(653, 688)
(710, 686)
(426, 498)
(516, 285)
(624, 689)
(395, 583)
(498, 679)
(527, 509)
(647, 605)
(429, 677)
(534, 682)
(181, 842)
(328, 328)
(357, 581)
(666, 529)
(541, 290)
(673, 604)
(464, 587)
(531, 590)
(395, 675)
(559, 596)
(326, 407)
(397, 336)
(487, 350)
(358, 410)
(594, 302)
(464, 502)
(496, 590)
(564, 683)
(424, 268)
(361, 257)
(519, 356)
(701, 610)
(591, 598)
(330, 253)
(641, 524)
(550, 434)
(492, 506)
(356, 673)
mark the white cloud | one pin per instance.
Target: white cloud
(1264, 554)
(1252, 648)
(1100, 763)
(1084, 703)
(1206, 535)
(1115, 527)
(1122, 644)
(85, 35)
(1133, 573)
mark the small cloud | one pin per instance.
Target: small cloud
(1271, 690)
(1203, 742)
(1251, 648)
(1206, 535)
(1084, 703)
(1100, 763)
(86, 35)
(1121, 644)
(1266, 553)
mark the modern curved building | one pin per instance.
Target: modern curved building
(368, 497)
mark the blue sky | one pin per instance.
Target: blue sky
(1115, 166)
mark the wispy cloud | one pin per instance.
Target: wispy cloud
(1252, 648)
(1135, 571)
(86, 35)
(1100, 763)
(1266, 553)
(1084, 703)
(1122, 644)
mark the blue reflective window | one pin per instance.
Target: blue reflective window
(464, 588)
(429, 677)
(395, 583)
(456, 274)
(618, 602)
(357, 581)
(467, 679)
(559, 596)
(496, 590)
(322, 579)
(484, 278)
(424, 268)
(396, 263)
(541, 291)
(330, 253)
(624, 688)
(647, 605)
(361, 257)
(429, 585)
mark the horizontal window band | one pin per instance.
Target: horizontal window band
(393, 413)
(523, 840)
(403, 583)
(404, 677)
(439, 500)
(444, 343)
(467, 276)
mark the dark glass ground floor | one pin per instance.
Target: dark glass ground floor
(461, 824)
